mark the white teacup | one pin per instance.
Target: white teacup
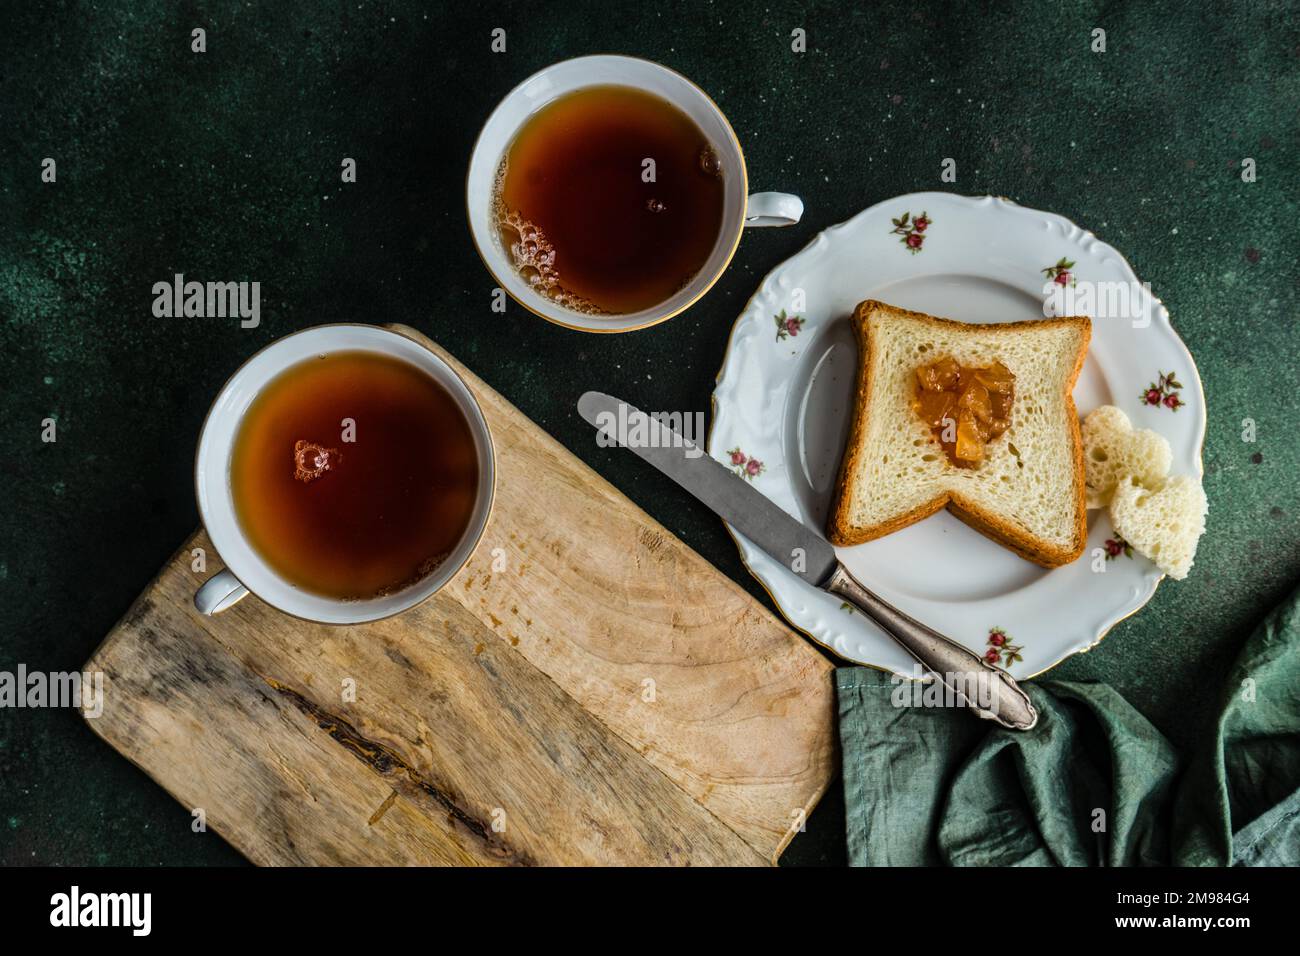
(246, 570)
(739, 209)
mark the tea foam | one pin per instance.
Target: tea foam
(532, 254)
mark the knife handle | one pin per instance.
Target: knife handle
(987, 690)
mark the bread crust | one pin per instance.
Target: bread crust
(841, 531)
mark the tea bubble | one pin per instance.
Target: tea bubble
(710, 165)
(311, 460)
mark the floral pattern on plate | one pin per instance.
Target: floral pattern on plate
(1164, 392)
(1060, 273)
(912, 233)
(788, 326)
(744, 466)
(1116, 546)
(1000, 649)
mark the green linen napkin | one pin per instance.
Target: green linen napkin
(1093, 784)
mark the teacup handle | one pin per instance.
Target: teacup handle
(773, 209)
(219, 592)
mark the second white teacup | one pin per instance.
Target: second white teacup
(247, 570)
(739, 208)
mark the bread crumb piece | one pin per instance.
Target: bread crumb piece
(1165, 524)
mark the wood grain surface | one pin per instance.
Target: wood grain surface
(587, 690)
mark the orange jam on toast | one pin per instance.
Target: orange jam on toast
(965, 408)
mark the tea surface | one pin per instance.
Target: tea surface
(577, 215)
(354, 519)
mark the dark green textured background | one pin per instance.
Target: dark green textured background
(225, 166)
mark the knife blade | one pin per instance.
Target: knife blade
(990, 692)
(744, 507)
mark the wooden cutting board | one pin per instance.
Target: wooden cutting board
(587, 690)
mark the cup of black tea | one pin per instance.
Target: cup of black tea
(344, 474)
(608, 193)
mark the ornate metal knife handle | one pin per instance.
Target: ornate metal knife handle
(989, 691)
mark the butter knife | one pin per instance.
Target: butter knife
(990, 692)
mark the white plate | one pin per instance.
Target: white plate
(783, 400)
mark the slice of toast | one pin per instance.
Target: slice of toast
(1027, 494)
